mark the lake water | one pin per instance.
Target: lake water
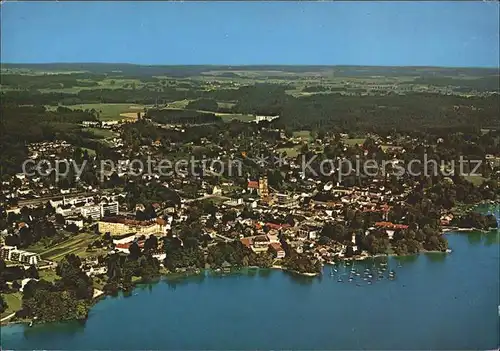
(436, 302)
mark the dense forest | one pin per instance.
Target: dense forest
(68, 297)
(32, 113)
(53, 81)
(20, 125)
(413, 111)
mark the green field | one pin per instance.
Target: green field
(302, 134)
(228, 117)
(91, 152)
(48, 275)
(101, 133)
(353, 141)
(76, 244)
(109, 83)
(290, 151)
(108, 112)
(181, 104)
(475, 179)
(14, 303)
(225, 104)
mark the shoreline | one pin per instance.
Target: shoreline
(305, 274)
(162, 277)
(191, 273)
(410, 274)
(100, 295)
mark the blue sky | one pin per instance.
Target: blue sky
(323, 33)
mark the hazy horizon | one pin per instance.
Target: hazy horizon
(242, 65)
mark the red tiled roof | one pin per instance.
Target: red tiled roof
(277, 226)
(391, 225)
(127, 245)
(253, 184)
(246, 241)
(276, 247)
(127, 221)
(383, 209)
(160, 221)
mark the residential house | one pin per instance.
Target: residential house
(277, 250)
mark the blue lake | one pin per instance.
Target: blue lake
(437, 301)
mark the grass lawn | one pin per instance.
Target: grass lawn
(14, 303)
(290, 151)
(353, 141)
(226, 117)
(91, 152)
(76, 244)
(225, 104)
(135, 279)
(101, 133)
(48, 275)
(385, 147)
(108, 112)
(179, 104)
(303, 134)
(70, 90)
(475, 179)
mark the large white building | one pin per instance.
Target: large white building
(11, 253)
(88, 209)
(109, 209)
(93, 211)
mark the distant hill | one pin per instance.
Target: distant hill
(196, 70)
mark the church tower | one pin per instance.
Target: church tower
(263, 188)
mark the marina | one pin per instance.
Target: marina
(365, 273)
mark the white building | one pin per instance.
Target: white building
(77, 222)
(91, 123)
(93, 211)
(109, 209)
(11, 253)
